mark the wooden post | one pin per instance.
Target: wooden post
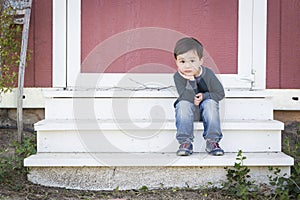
(22, 71)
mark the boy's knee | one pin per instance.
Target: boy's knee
(210, 104)
(185, 108)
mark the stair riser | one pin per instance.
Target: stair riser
(151, 141)
(149, 108)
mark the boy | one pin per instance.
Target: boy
(199, 93)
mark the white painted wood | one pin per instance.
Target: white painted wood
(34, 98)
(147, 141)
(111, 124)
(73, 40)
(146, 136)
(149, 108)
(286, 99)
(259, 43)
(153, 159)
(59, 41)
(168, 92)
(94, 80)
(245, 38)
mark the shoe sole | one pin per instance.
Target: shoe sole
(183, 153)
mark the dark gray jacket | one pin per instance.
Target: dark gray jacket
(207, 84)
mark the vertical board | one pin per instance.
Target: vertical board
(39, 70)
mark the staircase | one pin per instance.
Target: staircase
(124, 137)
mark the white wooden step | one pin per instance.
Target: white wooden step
(108, 171)
(148, 108)
(154, 159)
(151, 136)
(147, 105)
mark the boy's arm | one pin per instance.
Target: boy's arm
(215, 87)
(185, 88)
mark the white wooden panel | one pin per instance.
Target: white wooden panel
(149, 141)
(94, 80)
(109, 136)
(33, 98)
(152, 159)
(245, 38)
(149, 108)
(73, 40)
(286, 99)
(259, 43)
(59, 49)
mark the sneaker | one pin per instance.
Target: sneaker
(185, 149)
(214, 148)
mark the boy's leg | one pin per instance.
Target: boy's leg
(184, 111)
(212, 127)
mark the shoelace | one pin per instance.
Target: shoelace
(185, 145)
(216, 145)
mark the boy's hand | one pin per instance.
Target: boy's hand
(197, 99)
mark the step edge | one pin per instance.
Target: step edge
(255, 160)
(59, 125)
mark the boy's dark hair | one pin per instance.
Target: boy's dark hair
(186, 44)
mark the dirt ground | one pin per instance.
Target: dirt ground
(17, 187)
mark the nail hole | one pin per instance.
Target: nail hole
(295, 98)
(23, 96)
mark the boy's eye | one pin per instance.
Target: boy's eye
(192, 61)
(182, 61)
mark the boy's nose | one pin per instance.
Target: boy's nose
(188, 65)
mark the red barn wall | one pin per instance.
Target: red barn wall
(39, 70)
(283, 45)
(213, 22)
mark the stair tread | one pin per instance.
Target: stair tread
(168, 92)
(154, 159)
(113, 124)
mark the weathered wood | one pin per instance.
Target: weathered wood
(22, 71)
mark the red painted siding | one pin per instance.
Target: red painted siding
(39, 70)
(283, 58)
(213, 22)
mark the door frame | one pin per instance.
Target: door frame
(252, 37)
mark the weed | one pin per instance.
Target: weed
(11, 165)
(288, 187)
(238, 183)
(144, 188)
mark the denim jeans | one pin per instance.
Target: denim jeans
(208, 112)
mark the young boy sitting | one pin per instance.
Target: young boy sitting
(199, 94)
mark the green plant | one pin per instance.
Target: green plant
(11, 165)
(238, 183)
(288, 187)
(10, 46)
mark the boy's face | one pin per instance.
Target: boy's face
(189, 63)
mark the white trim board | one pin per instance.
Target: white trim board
(59, 49)
(33, 98)
(252, 25)
(285, 99)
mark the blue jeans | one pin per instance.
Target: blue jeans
(208, 112)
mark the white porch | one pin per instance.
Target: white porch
(103, 131)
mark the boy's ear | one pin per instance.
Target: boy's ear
(201, 60)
